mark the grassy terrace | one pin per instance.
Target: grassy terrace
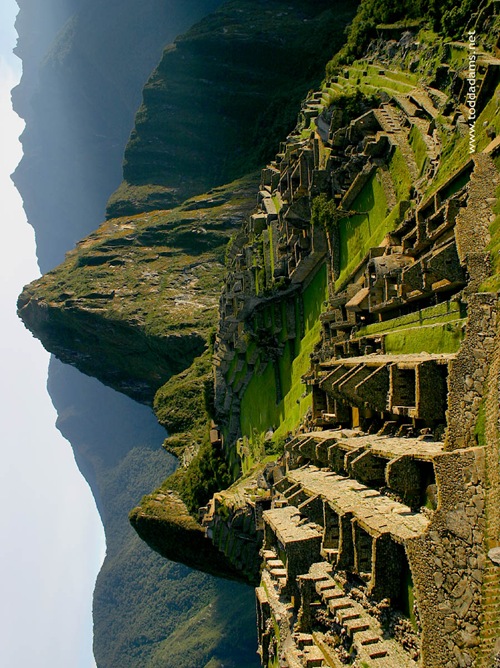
(366, 229)
(400, 175)
(439, 338)
(259, 409)
(353, 78)
(398, 81)
(402, 77)
(437, 329)
(445, 312)
(419, 149)
(370, 86)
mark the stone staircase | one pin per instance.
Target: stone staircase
(388, 118)
(275, 567)
(361, 628)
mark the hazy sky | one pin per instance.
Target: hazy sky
(52, 542)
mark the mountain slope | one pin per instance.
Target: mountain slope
(143, 604)
(223, 96)
(78, 96)
(69, 169)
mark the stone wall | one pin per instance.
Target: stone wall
(490, 613)
(448, 560)
(468, 371)
(472, 225)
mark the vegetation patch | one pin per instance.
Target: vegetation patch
(372, 77)
(448, 17)
(441, 313)
(365, 229)
(419, 148)
(400, 174)
(260, 412)
(480, 428)
(435, 339)
(184, 406)
(184, 402)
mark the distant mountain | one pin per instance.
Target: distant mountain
(84, 64)
(73, 144)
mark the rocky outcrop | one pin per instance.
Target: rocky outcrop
(133, 304)
(164, 522)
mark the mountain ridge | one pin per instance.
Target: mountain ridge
(79, 200)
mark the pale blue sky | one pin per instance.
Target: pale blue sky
(52, 540)
(8, 36)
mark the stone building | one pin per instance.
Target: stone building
(378, 519)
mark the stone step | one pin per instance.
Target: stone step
(304, 640)
(379, 513)
(275, 563)
(367, 637)
(377, 653)
(347, 615)
(278, 572)
(489, 605)
(269, 554)
(331, 594)
(358, 626)
(339, 604)
(325, 584)
(320, 572)
(330, 554)
(313, 657)
(491, 602)
(492, 595)
(292, 658)
(489, 633)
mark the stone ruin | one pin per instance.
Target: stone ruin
(375, 526)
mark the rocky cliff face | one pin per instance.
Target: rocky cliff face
(141, 292)
(222, 95)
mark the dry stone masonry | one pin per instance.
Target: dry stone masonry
(378, 528)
